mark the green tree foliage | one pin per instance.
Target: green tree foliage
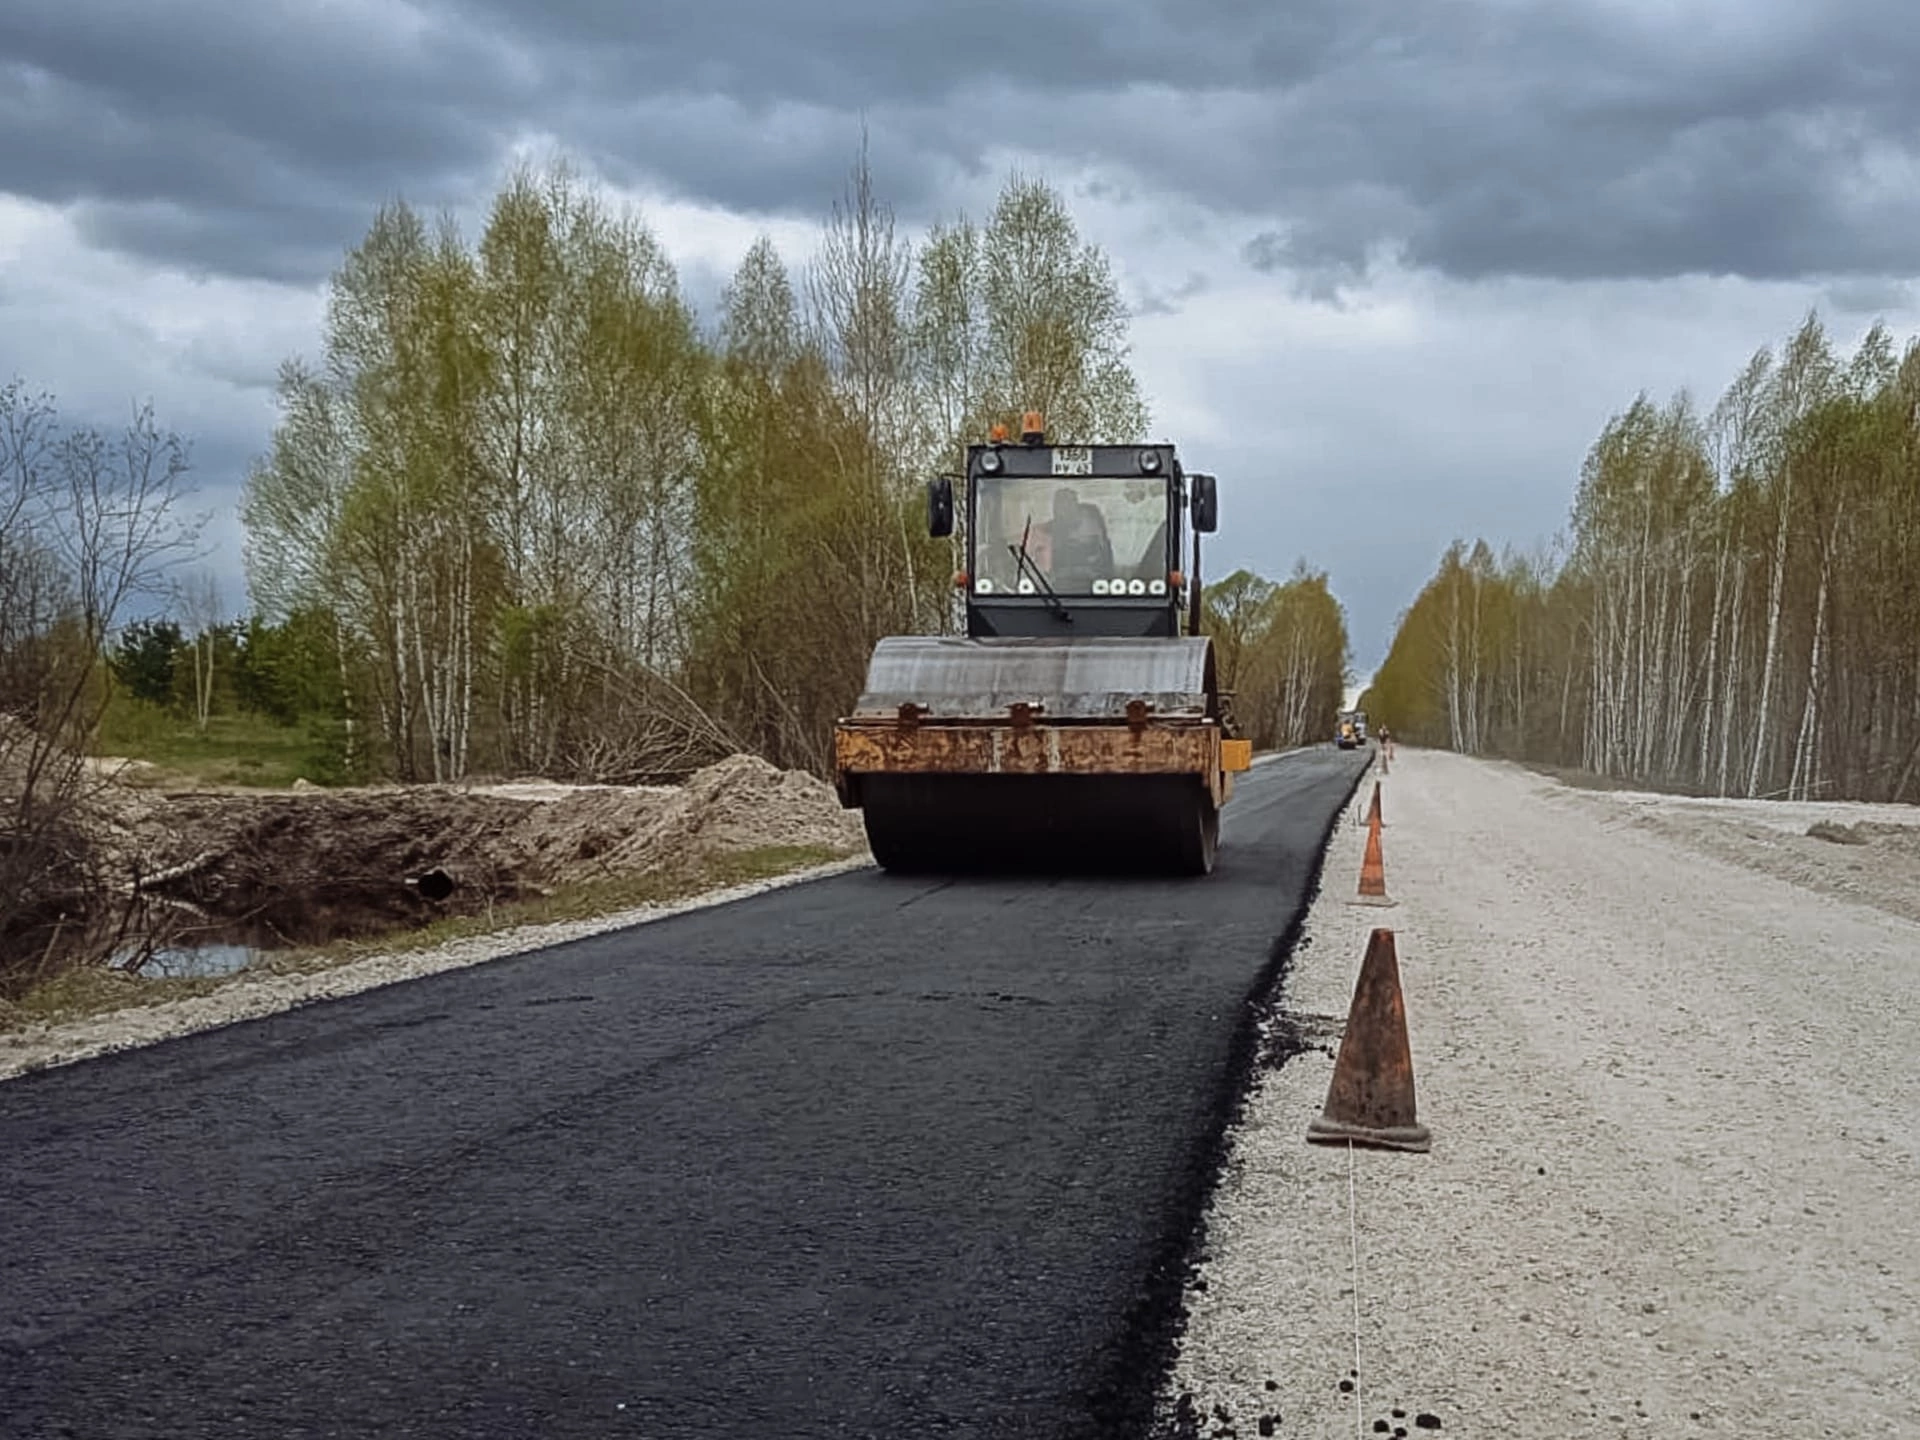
(805, 545)
(1282, 651)
(144, 658)
(552, 526)
(1737, 610)
(289, 671)
(1019, 315)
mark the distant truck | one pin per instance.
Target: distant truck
(1350, 732)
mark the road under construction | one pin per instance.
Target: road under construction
(879, 1154)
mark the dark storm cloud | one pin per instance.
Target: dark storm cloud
(843, 54)
(1482, 138)
(1330, 247)
(290, 243)
(1479, 137)
(252, 139)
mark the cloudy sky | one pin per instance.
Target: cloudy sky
(1393, 264)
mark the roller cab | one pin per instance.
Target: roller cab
(1078, 724)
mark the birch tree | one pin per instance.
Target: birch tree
(1056, 323)
(860, 291)
(1737, 610)
(199, 604)
(1283, 652)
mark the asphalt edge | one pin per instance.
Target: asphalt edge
(1135, 1403)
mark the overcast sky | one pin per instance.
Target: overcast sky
(1392, 264)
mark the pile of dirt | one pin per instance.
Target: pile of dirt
(310, 866)
(1866, 832)
(741, 803)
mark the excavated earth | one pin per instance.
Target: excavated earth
(311, 866)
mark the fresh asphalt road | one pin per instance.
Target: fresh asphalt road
(865, 1156)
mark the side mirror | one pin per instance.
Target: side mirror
(940, 507)
(1206, 505)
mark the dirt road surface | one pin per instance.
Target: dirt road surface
(1669, 1051)
(866, 1156)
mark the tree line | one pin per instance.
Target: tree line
(1283, 652)
(1736, 610)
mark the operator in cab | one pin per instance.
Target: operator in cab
(1080, 549)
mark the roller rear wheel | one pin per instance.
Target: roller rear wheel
(1198, 838)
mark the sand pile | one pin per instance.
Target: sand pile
(741, 803)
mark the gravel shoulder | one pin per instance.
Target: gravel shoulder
(1667, 1050)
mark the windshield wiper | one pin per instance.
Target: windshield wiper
(1029, 567)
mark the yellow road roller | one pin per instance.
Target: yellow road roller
(1078, 724)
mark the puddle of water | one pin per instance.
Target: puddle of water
(194, 962)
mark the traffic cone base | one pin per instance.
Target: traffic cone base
(1370, 1100)
(1416, 1138)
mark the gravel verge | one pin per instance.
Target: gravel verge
(1667, 1049)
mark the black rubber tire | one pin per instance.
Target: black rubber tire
(1197, 842)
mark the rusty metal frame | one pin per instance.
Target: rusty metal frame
(1023, 745)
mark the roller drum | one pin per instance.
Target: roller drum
(1090, 824)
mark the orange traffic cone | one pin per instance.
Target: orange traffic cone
(1373, 870)
(1370, 1100)
(1373, 810)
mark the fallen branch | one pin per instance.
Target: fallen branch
(205, 860)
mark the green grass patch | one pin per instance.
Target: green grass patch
(96, 990)
(234, 750)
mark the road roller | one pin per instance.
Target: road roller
(1078, 724)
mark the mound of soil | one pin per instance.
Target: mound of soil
(316, 866)
(310, 866)
(741, 803)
